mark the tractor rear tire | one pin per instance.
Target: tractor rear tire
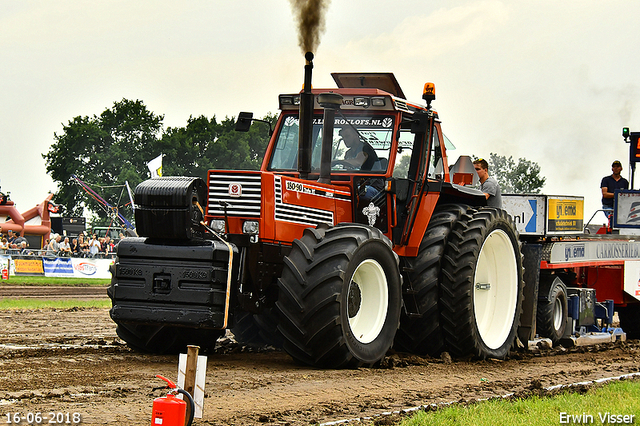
(419, 331)
(256, 329)
(551, 317)
(340, 297)
(166, 339)
(482, 287)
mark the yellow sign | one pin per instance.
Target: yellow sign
(29, 266)
(565, 214)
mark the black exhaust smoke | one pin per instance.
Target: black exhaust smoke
(309, 15)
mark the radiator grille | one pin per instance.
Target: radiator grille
(243, 193)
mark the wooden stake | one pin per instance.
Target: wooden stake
(190, 374)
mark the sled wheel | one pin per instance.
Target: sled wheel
(420, 322)
(339, 297)
(551, 320)
(629, 317)
(482, 287)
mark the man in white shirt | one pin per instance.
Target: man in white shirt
(94, 246)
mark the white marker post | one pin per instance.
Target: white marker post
(192, 372)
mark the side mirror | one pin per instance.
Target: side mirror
(420, 122)
(244, 121)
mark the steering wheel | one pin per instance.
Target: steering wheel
(343, 163)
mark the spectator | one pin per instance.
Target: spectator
(610, 183)
(10, 236)
(83, 246)
(4, 244)
(94, 246)
(74, 247)
(106, 246)
(47, 247)
(24, 249)
(64, 249)
(19, 240)
(54, 245)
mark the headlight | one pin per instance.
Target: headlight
(361, 102)
(250, 227)
(218, 226)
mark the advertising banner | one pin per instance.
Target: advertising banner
(91, 268)
(632, 278)
(28, 265)
(565, 215)
(527, 212)
(58, 267)
(626, 209)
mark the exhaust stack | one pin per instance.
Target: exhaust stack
(306, 121)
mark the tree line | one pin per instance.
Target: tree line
(108, 150)
(521, 177)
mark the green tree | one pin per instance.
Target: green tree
(516, 178)
(108, 150)
(103, 151)
(205, 144)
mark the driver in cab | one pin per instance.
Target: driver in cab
(359, 155)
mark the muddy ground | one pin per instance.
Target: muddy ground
(72, 362)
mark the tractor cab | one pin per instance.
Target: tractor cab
(387, 153)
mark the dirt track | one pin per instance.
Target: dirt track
(52, 292)
(71, 361)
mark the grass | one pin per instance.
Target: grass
(54, 281)
(6, 304)
(29, 303)
(616, 398)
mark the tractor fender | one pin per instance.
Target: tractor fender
(450, 193)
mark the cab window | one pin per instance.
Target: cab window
(352, 134)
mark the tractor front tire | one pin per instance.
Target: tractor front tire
(340, 297)
(482, 287)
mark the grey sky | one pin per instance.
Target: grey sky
(551, 81)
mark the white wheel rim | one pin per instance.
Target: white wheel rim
(495, 291)
(557, 314)
(367, 301)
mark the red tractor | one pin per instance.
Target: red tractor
(332, 255)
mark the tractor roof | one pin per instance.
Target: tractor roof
(385, 81)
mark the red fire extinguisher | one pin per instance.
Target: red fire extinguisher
(170, 410)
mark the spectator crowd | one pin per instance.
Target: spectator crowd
(58, 246)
